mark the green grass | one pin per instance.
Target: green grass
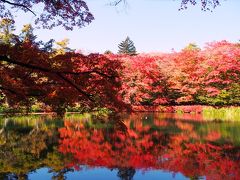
(179, 111)
(222, 114)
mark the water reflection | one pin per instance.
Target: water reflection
(125, 144)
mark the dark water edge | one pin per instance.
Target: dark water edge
(126, 146)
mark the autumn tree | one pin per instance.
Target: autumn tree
(69, 14)
(207, 76)
(58, 78)
(127, 47)
(220, 74)
(58, 81)
(206, 5)
(35, 70)
(146, 85)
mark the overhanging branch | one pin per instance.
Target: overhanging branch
(89, 96)
(19, 5)
(30, 66)
(58, 73)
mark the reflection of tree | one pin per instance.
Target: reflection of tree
(196, 178)
(26, 148)
(126, 146)
(126, 173)
(13, 176)
(60, 175)
(175, 147)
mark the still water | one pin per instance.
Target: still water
(128, 146)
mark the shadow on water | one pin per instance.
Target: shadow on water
(125, 143)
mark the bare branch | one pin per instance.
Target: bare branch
(115, 3)
(19, 5)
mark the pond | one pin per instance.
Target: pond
(128, 146)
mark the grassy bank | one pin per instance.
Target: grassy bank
(229, 113)
(224, 113)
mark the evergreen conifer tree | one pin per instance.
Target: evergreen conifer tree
(127, 47)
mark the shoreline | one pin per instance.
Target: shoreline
(198, 109)
(181, 108)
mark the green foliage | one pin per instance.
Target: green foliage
(27, 143)
(27, 34)
(191, 47)
(225, 97)
(62, 47)
(78, 108)
(7, 28)
(3, 107)
(221, 99)
(179, 111)
(234, 93)
(108, 52)
(127, 47)
(37, 107)
(228, 131)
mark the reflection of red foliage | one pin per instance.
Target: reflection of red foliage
(143, 148)
(213, 136)
(161, 123)
(184, 126)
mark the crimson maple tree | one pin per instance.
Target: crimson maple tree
(192, 76)
(28, 73)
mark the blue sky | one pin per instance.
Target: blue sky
(153, 25)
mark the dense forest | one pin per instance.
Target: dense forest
(57, 77)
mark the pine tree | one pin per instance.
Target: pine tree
(127, 47)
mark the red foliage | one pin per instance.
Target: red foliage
(142, 148)
(221, 67)
(191, 76)
(62, 80)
